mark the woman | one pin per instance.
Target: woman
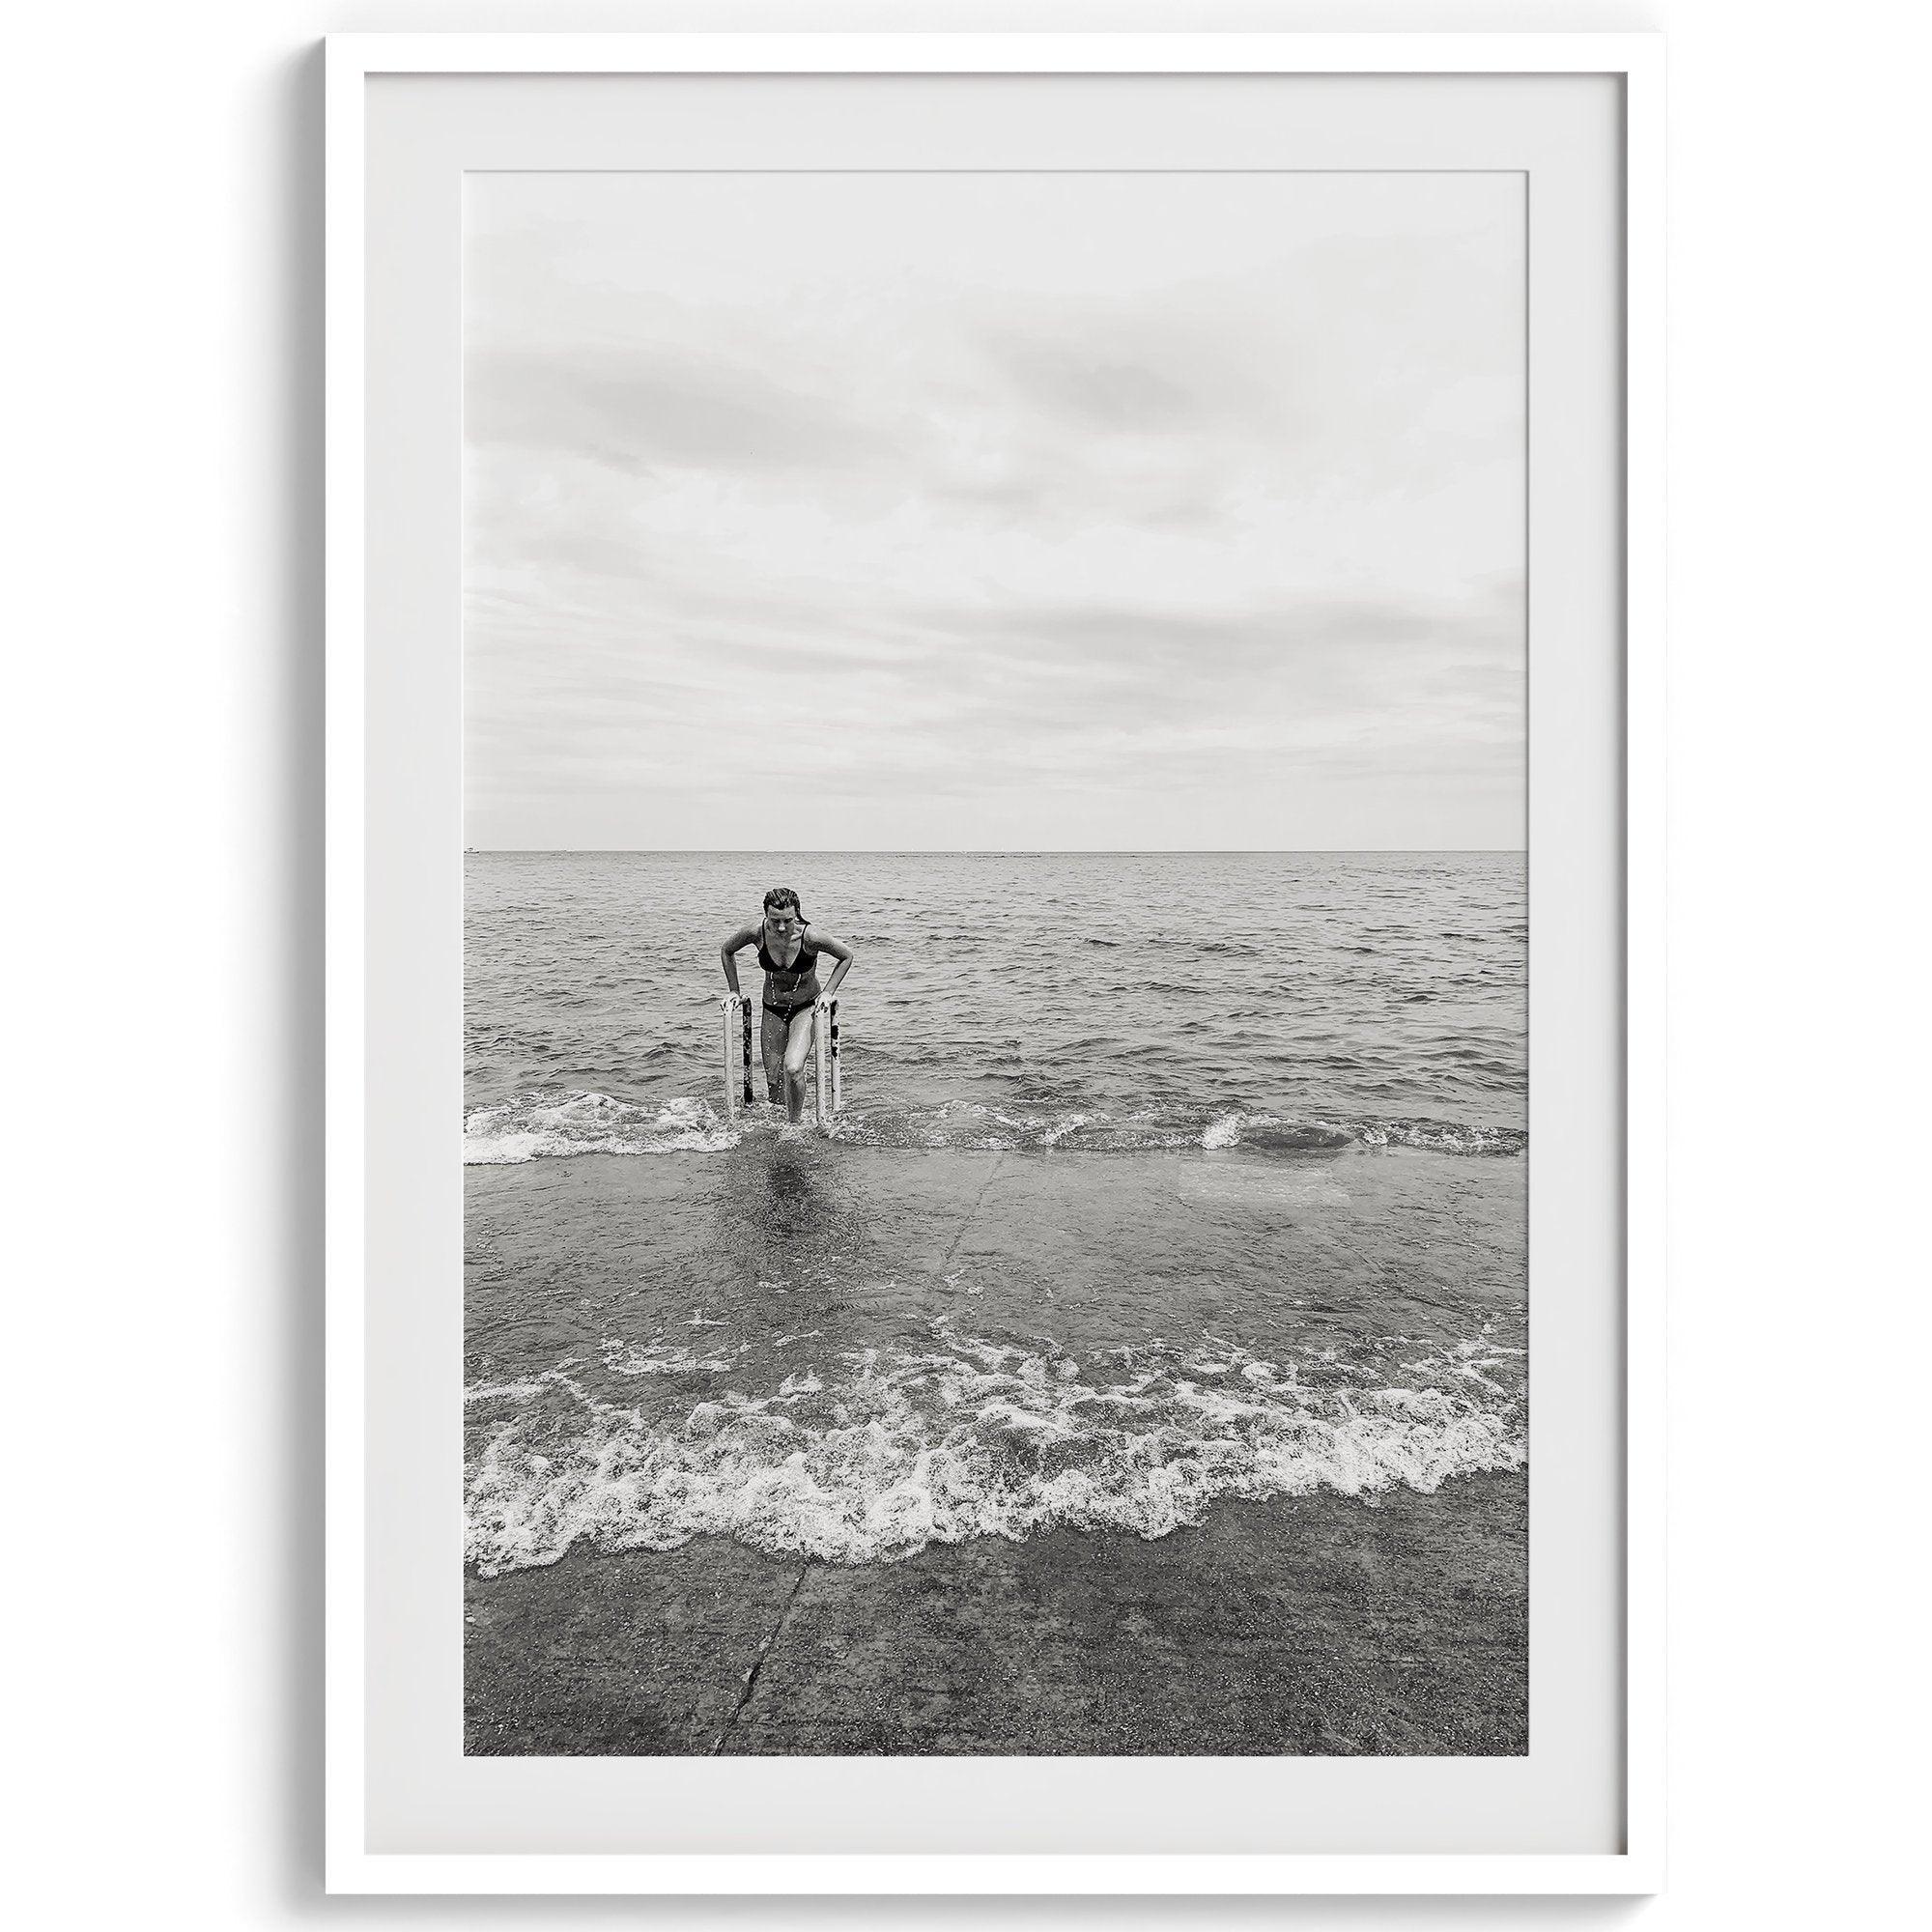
(789, 955)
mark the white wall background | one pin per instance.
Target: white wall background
(163, 372)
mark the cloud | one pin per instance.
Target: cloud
(638, 410)
(1097, 387)
(958, 515)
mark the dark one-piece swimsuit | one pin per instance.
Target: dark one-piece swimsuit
(790, 989)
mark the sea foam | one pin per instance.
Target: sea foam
(548, 1125)
(875, 1455)
(532, 1127)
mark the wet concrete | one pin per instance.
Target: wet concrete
(1316, 1626)
(633, 1656)
(1322, 1625)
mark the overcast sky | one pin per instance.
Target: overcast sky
(843, 512)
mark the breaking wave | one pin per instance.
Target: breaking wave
(546, 1125)
(535, 1126)
(885, 1452)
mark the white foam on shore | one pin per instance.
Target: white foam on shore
(533, 1128)
(1274, 1131)
(884, 1453)
(548, 1127)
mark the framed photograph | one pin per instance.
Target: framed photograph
(994, 876)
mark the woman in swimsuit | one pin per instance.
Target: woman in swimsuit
(789, 955)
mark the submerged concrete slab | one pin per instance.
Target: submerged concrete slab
(1313, 1626)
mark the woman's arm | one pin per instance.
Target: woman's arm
(841, 952)
(727, 954)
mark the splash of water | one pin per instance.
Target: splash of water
(971, 1438)
(548, 1125)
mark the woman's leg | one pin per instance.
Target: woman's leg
(798, 1050)
(772, 1046)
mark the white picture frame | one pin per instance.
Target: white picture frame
(358, 746)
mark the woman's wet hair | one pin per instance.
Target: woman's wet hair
(780, 896)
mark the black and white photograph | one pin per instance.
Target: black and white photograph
(964, 957)
(995, 964)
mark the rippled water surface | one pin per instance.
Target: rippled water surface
(1160, 1178)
